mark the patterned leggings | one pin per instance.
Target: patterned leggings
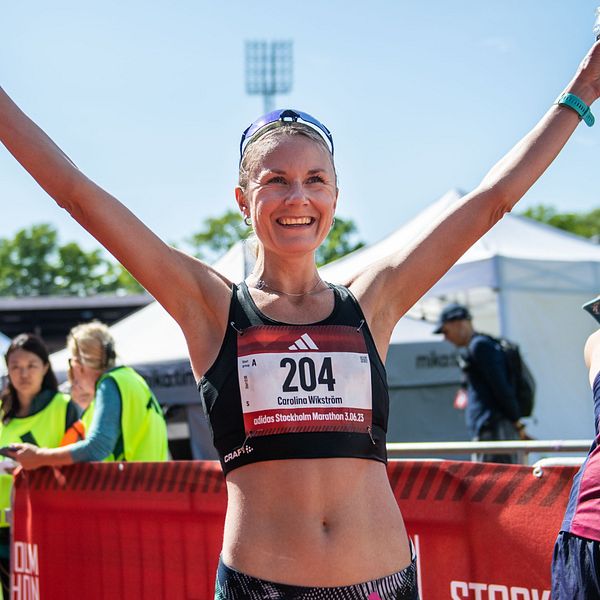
(233, 585)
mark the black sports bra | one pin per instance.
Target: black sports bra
(282, 391)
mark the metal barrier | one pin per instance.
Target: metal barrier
(523, 449)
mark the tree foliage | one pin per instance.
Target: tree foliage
(585, 224)
(217, 235)
(33, 263)
(339, 242)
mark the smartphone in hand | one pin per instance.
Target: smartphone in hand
(7, 451)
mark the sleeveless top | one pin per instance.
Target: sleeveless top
(286, 391)
(582, 517)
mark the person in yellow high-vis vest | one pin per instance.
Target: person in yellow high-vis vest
(32, 410)
(123, 422)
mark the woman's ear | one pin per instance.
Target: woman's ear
(240, 198)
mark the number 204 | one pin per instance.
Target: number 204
(304, 372)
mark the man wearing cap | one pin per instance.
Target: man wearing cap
(492, 412)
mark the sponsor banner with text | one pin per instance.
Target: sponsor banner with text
(154, 530)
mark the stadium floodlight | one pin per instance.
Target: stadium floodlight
(269, 70)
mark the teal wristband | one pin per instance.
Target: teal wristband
(579, 106)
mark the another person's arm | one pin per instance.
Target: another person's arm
(391, 286)
(591, 354)
(98, 444)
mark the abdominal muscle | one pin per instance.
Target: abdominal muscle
(314, 522)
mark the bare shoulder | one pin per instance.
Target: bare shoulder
(370, 292)
(591, 354)
(202, 313)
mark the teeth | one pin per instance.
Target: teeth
(295, 220)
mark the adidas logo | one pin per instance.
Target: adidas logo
(304, 342)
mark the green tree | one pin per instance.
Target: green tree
(339, 242)
(217, 235)
(585, 224)
(33, 263)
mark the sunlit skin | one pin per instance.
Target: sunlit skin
(322, 521)
(83, 382)
(291, 200)
(26, 372)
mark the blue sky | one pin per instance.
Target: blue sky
(148, 98)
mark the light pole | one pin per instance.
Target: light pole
(269, 70)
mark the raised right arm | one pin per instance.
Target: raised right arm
(186, 287)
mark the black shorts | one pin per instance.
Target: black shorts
(233, 585)
(575, 568)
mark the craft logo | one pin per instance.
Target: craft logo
(25, 577)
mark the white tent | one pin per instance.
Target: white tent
(526, 281)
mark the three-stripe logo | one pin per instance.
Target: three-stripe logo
(304, 342)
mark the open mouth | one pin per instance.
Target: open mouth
(295, 221)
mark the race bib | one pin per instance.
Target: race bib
(302, 379)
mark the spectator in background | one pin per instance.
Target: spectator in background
(492, 411)
(32, 410)
(576, 560)
(123, 406)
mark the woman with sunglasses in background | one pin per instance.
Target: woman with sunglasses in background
(33, 411)
(121, 416)
(290, 368)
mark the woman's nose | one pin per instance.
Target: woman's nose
(296, 192)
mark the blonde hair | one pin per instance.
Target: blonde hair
(93, 344)
(268, 137)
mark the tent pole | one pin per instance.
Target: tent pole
(500, 297)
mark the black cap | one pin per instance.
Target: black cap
(452, 312)
(593, 307)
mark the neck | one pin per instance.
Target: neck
(290, 276)
(25, 401)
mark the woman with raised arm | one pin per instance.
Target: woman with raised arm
(290, 368)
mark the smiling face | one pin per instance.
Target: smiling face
(291, 195)
(26, 372)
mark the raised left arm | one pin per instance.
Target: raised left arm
(390, 287)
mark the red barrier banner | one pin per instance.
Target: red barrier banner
(154, 530)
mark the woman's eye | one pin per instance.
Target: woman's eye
(315, 179)
(276, 179)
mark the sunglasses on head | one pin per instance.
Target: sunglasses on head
(286, 114)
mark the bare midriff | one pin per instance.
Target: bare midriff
(314, 522)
